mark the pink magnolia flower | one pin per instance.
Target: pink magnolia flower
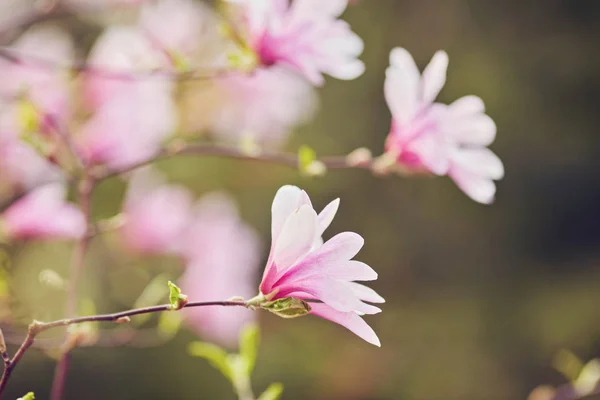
(263, 106)
(305, 36)
(222, 255)
(445, 140)
(156, 214)
(129, 129)
(46, 87)
(43, 214)
(301, 266)
(21, 167)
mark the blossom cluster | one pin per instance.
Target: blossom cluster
(243, 73)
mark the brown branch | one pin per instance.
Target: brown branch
(20, 58)
(36, 327)
(85, 189)
(213, 150)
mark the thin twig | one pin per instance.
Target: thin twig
(85, 189)
(214, 150)
(21, 58)
(36, 327)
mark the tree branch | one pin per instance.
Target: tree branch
(215, 150)
(36, 327)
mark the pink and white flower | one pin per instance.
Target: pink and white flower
(45, 87)
(43, 214)
(222, 255)
(304, 35)
(302, 267)
(444, 140)
(156, 215)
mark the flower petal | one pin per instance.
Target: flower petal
(326, 216)
(336, 251)
(296, 237)
(479, 188)
(365, 293)
(402, 85)
(285, 202)
(434, 77)
(349, 320)
(482, 162)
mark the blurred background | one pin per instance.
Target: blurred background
(479, 298)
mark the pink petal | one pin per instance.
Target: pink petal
(285, 203)
(349, 320)
(402, 86)
(336, 251)
(434, 77)
(473, 129)
(352, 271)
(467, 105)
(296, 237)
(326, 216)
(365, 293)
(432, 151)
(482, 162)
(334, 293)
(479, 188)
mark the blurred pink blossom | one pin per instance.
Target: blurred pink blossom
(301, 266)
(305, 36)
(156, 214)
(129, 129)
(444, 140)
(47, 88)
(22, 167)
(263, 106)
(43, 214)
(222, 254)
(133, 115)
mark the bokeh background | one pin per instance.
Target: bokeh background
(479, 298)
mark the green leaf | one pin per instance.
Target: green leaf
(215, 355)
(289, 307)
(169, 324)
(273, 392)
(176, 299)
(249, 342)
(28, 396)
(306, 156)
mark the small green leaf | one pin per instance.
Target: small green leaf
(289, 307)
(215, 355)
(249, 341)
(169, 324)
(176, 299)
(306, 156)
(28, 396)
(273, 392)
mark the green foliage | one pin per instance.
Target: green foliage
(249, 342)
(215, 355)
(306, 156)
(177, 300)
(154, 293)
(28, 396)
(169, 324)
(288, 307)
(273, 392)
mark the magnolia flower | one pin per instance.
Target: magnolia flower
(444, 140)
(43, 214)
(302, 267)
(45, 88)
(129, 129)
(263, 106)
(21, 167)
(222, 255)
(305, 36)
(155, 214)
